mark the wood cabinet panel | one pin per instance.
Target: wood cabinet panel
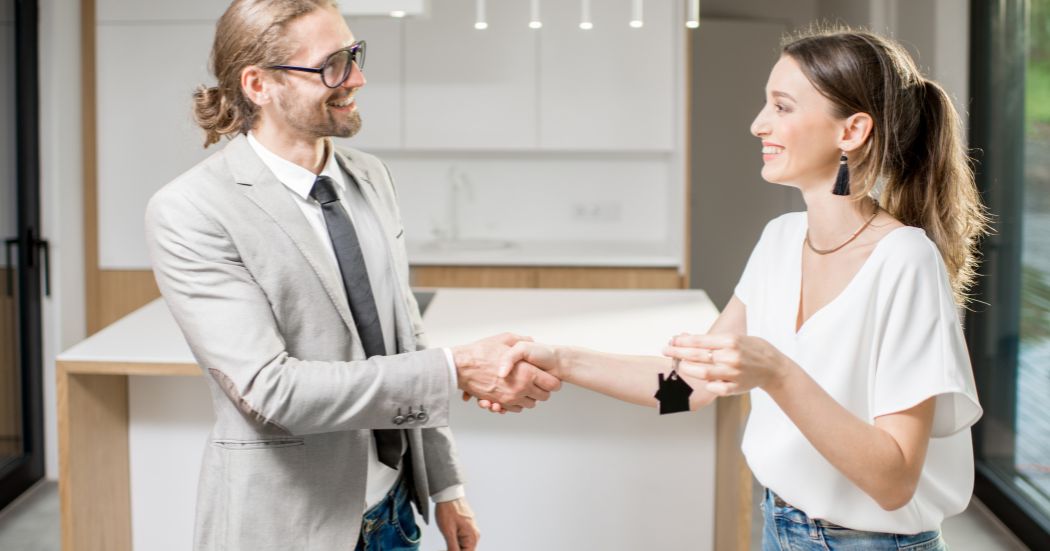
(610, 278)
(472, 276)
(546, 277)
(10, 417)
(121, 292)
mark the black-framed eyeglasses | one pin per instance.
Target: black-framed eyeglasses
(337, 66)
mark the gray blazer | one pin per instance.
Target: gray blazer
(267, 319)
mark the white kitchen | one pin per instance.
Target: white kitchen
(579, 171)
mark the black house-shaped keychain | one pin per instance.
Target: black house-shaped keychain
(673, 393)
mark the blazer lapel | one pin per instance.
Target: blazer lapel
(406, 336)
(263, 188)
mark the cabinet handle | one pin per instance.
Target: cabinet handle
(8, 243)
(38, 244)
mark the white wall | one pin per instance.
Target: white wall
(61, 188)
(730, 203)
(935, 32)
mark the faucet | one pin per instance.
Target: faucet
(460, 189)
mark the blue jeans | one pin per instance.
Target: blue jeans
(789, 529)
(390, 524)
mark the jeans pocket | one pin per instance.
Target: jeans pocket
(405, 523)
(923, 541)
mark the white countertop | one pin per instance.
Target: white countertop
(147, 335)
(548, 253)
(637, 321)
(631, 321)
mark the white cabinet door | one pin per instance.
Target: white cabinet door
(139, 11)
(379, 102)
(471, 89)
(612, 87)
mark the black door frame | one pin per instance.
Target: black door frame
(20, 474)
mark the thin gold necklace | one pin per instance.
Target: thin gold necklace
(846, 242)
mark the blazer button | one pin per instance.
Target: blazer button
(422, 415)
(399, 419)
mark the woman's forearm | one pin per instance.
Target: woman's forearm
(632, 379)
(884, 465)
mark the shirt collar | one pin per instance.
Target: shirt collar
(293, 176)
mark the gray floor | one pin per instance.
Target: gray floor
(31, 524)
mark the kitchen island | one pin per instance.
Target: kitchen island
(579, 472)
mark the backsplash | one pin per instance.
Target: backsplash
(537, 198)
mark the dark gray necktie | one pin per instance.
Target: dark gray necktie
(359, 292)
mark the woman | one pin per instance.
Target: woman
(844, 327)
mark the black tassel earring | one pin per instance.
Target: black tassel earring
(842, 180)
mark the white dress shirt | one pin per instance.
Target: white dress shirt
(299, 182)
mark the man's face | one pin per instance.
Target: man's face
(302, 104)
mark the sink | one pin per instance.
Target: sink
(467, 245)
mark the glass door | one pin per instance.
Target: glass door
(10, 394)
(1009, 329)
(24, 256)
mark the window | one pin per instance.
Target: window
(1009, 331)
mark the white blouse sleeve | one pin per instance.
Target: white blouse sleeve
(922, 352)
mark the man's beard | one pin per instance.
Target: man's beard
(320, 124)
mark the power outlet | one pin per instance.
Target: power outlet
(597, 212)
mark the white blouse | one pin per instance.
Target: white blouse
(889, 341)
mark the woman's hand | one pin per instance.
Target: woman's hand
(730, 364)
(543, 356)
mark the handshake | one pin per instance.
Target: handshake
(506, 370)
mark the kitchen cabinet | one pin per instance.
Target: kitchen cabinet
(612, 87)
(470, 89)
(379, 101)
(560, 88)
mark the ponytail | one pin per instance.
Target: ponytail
(215, 114)
(933, 187)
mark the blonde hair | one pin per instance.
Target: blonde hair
(916, 150)
(250, 32)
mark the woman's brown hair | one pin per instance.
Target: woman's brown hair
(915, 153)
(250, 32)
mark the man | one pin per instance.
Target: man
(283, 261)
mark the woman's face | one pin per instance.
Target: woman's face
(800, 135)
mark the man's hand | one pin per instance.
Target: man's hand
(478, 365)
(525, 355)
(456, 522)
